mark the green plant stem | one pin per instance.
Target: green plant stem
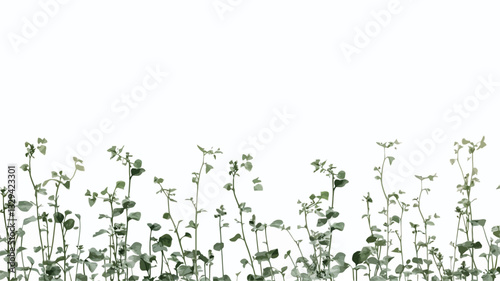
(258, 250)
(220, 241)
(456, 242)
(195, 260)
(388, 229)
(127, 220)
(176, 226)
(296, 243)
(242, 228)
(294, 265)
(315, 255)
(267, 246)
(417, 248)
(400, 237)
(78, 245)
(63, 233)
(425, 225)
(470, 209)
(331, 233)
(489, 247)
(113, 237)
(438, 267)
(56, 208)
(37, 209)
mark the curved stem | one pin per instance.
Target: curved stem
(242, 229)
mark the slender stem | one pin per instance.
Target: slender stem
(176, 229)
(126, 218)
(331, 233)
(63, 234)
(296, 243)
(425, 225)
(220, 240)
(195, 260)
(242, 229)
(456, 242)
(54, 228)
(37, 210)
(78, 245)
(258, 250)
(150, 234)
(267, 246)
(306, 226)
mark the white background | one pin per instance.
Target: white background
(67, 69)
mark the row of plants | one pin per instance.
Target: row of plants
(171, 249)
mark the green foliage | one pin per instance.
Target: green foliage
(398, 249)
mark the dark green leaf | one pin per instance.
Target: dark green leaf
(218, 246)
(69, 224)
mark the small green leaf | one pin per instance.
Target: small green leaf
(165, 240)
(136, 248)
(218, 246)
(154, 226)
(248, 166)
(67, 184)
(102, 231)
(117, 212)
(42, 149)
(236, 237)
(276, 223)
(321, 222)
(324, 195)
(69, 224)
(120, 184)
(496, 231)
(137, 172)
(134, 216)
(28, 220)
(391, 159)
(58, 217)
(338, 226)
(341, 183)
(24, 206)
(95, 255)
(208, 168)
(478, 222)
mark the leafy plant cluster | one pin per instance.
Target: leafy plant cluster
(172, 251)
